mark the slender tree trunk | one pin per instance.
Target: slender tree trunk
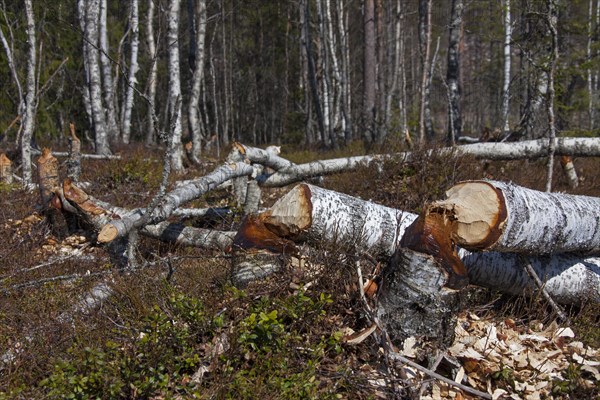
(425, 51)
(507, 65)
(107, 79)
(453, 72)
(30, 97)
(590, 34)
(552, 26)
(194, 116)
(13, 70)
(346, 93)
(312, 74)
(85, 89)
(174, 84)
(101, 139)
(369, 72)
(326, 86)
(153, 75)
(133, 67)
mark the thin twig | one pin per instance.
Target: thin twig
(54, 279)
(534, 276)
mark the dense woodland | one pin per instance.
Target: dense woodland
(169, 256)
(321, 73)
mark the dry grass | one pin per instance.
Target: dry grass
(188, 314)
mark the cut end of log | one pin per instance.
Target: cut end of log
(292, 214)
(429, 235)
(254, 235)
(76, 195)
(239, 147)
(474, 214)
(108, 233)
(4, 160)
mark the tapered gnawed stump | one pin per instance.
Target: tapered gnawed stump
(6, 175)
(414, 299)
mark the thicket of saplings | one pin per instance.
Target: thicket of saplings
(175, 326)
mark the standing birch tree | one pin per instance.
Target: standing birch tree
(174, 83)
(194, 116)
(91, 35)
(30, 96)
(425, 128)
(153, 74)
(369, 72)
(453, 72)
(108, 86)
(507, 62)
(133, 67)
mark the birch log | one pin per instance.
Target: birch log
(182, 194)
(317, 215)
(500, 216)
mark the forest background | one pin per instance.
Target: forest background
(317, 73)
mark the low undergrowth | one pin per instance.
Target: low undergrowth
(176, 328)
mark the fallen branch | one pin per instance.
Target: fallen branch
(172, 200)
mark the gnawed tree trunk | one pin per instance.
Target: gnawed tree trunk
(321, 216)
(490, 215)
(566, 162)
(414, 301)
(315, 214)
(47, 176)
(6, 174)
(74, 161)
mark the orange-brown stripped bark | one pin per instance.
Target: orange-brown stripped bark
(430, 234)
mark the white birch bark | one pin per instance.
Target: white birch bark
(133, 67)
(553, 27)
(153, 74)
(346, 93)
(107, 79)
(95, 82)
(504, 217)
(30, 97)
(326, 78)
(85, 89)
(13, 70)
(311, 213)
(182, 194)
(315, 214)
(507, 65)
(288, 173)
(175, 83)
(194, 116)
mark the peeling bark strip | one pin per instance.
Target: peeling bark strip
(504, 217)
(316, 214)
(172, 200)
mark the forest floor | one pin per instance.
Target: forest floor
(175, 326)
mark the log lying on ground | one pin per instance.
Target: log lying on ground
(322, 216)
(529, 149)
(312, 213)
(500, 216)
(182, 194)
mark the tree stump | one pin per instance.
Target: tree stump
(414, 301)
